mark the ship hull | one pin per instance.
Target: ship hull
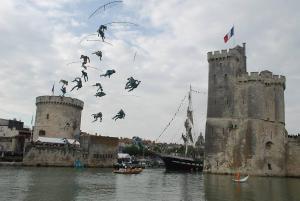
(173, 163)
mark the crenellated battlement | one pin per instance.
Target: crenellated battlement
(294, 139)
(265, 77)
(59, 100)
(224, 54)
(294, 136)
(253, 102)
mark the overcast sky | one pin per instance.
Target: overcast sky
(38, 38)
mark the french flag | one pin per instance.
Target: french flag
(229, 35)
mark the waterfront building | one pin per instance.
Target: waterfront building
(245, 127)
(58, 140)
(13, 136)
(57, 117)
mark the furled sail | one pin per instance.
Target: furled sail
(188, 124)
(184, 138)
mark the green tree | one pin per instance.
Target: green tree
(132, 150)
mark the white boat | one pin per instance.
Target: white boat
(241, 180)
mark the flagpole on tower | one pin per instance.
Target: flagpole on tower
(234, 40)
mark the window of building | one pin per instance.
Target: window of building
(47, 116)
(42, 133)
(271, 134)
(269, 145)
(269, 166)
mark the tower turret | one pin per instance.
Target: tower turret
(245, 126)
(57, 116)
(224, 67)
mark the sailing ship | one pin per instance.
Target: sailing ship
(185, 163)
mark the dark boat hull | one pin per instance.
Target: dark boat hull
(173, 163)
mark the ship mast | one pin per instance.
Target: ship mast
(188, 124)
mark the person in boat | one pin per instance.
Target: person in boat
(84, 75)
(100, 94)
(238, 176)
(99, 86)
(108, 73)
(86, 60)
(97, 116)
(78, 83)
(99, 54)
(120, 115)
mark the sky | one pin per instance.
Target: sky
(40, 38)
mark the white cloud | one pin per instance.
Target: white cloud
(38, 39)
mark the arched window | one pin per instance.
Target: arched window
(268, 145)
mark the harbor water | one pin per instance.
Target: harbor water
(66, 184)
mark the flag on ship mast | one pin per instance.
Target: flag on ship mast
(229, 35)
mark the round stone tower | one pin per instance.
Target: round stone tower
(57, 116)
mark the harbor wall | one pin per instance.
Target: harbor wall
(246, 146)
(95, 151)
(46, 155)
(293, 157)
(57, 116)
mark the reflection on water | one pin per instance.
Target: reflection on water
(51, 184)
(64, 184)
(220, 187)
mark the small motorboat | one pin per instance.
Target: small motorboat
(128, 170)
(241, 180)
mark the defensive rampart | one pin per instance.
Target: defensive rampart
(57, 116)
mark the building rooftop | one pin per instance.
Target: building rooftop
(51, 140)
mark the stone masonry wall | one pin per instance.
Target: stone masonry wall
(293, 156)
(249, 146)
(43, 155)
(95, 151)
(100, 148)
(245, 128)
(57, 116)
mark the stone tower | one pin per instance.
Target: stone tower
(57, 116)
(245, 128)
